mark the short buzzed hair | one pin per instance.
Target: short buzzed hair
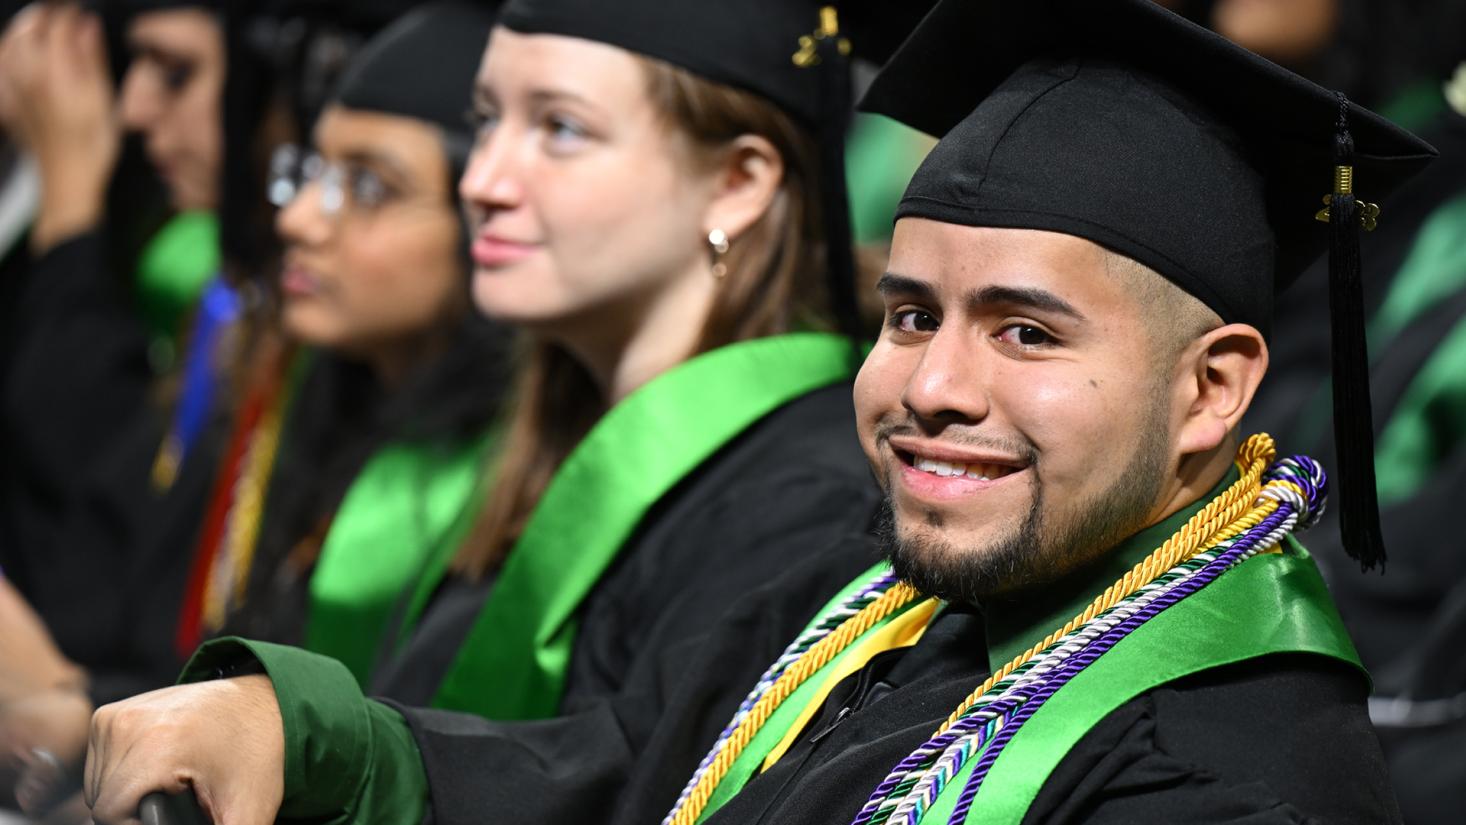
(1176, 317)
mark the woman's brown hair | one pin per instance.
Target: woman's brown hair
(775, 283)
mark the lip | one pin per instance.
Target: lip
(939, 451)
(929, 487)
(491, 251)
(297, 282)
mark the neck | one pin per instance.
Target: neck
(393, 364)
(627, 345)
(1196, 475)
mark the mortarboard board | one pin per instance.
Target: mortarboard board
(1125, 124)
(791, 52)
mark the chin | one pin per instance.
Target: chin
(508, 300)
(305, 326)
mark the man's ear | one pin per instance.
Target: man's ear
(1222, 371)
(746, 181)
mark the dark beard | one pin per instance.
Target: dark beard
(1046, 545)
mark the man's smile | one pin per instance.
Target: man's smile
(943, 472)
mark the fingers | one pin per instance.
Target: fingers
(222, 739)
(45, 782)
(117, 778)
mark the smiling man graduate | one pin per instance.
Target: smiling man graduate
(1096, 611)
(1078, 305)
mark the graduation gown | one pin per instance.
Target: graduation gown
(1281, 738)
(83, 532)
(77, 373)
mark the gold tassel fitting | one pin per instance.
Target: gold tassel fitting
(808, 54)
(1344, 185)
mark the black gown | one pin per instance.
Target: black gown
(83, 534)
(1278, 739)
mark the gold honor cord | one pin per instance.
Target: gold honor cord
(815, 658)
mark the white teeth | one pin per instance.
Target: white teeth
(976, 472)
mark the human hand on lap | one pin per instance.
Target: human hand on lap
(222, 739)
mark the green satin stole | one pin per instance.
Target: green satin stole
(398, 510)
(512, 664)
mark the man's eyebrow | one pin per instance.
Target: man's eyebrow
(1040, 299)
(893, 284)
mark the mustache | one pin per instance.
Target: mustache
(964, 435)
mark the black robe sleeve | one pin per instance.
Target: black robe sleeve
(576, 768)
(77, 373)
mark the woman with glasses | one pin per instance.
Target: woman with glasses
(369, 438)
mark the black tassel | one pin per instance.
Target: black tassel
(1353, 415)
(833, 64)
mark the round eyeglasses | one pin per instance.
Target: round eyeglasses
(343, 185)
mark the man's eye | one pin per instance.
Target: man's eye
(1025, 335)
(914, 320)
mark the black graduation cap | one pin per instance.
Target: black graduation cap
(388, 74)
(795, 53)
(1125, 124)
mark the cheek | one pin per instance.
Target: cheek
(1079, 419)
(392, 287)
(629, 223)
(878, 388)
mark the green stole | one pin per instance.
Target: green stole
(1272, 603)
(173, 270)
(512, 664)
(399, 508)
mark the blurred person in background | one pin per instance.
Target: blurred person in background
(77, 417)
(1409, 624)
(362, 418)
(373, 438)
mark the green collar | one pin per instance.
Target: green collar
(1014, 626)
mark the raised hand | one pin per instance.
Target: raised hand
(56, 101)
